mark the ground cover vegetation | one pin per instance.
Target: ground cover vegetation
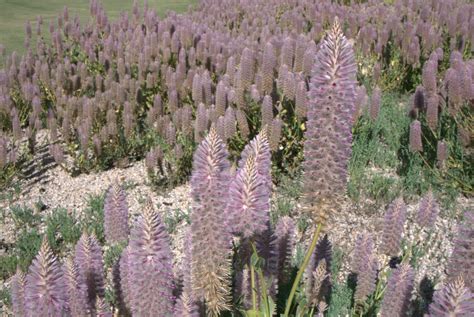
(331, 102)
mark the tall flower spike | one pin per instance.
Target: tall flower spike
(88, 258)
(285, 232)
(287, 52)
(275, 134)
(44, 293)
(301, 103)
(327, 148)
(428, 210)
(428, 76)
(249, 203)
(289, 86)
(364, 264)
(454, 299)
(268, 66)
(415, 137)
(460, 263)
(375, 101)
(394, 222)
(18, 285)
(229, 123)
(441, 153)
(185, 305)
(221, 98)
(76, 290)
(116, 214)
(260, 148)
(197, 91)
(246, 68)
(397, 295)
(267, 111)
(318, 275)
(124, 267)
(210, 268)
(419, 98)
(118, 290)
(242, 122)
(150, 264)
(360, 102)
(432, 110)
(266, 249)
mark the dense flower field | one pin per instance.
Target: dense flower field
(234, 96)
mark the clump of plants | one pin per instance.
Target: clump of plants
(108, 93)
(236, 259)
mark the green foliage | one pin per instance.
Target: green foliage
(93, 218)
(7, 174)
(337, 257)
(375, 147)
(26, 247)
(112, 254)
(341, 301)
(171, 170)
(420, 169)
(286, 194)
(24, 217)
(10, 193)
(173, 219)
(262, 303)
(5, 300)
(382, 166)
(8, 265)
(282, 206)
(62, 230)
(383, 188)
(396, 74)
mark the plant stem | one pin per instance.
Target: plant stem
(307, 257)
(254, 293)
(263, 286)
(264, 296)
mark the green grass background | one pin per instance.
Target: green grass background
(15, 13)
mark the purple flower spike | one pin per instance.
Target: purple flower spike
(428, 210)
(88, 258)
(394, 222)
(415, 137)
(397, 295)
(331, 108)
(186, 305)
(460, 263)
(375, 101)
(76, 289)
(18, 285)
(150, 266)
(364, 264)
(116, 214)
(285, 233)
(249, 202)
(454, 299)
(45, 289)
(210, 269)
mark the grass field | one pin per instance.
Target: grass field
(14, 14)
